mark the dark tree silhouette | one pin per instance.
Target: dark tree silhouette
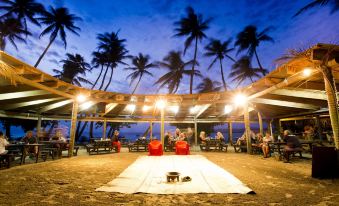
(334, 6)
(192, 26)
(11, 31)
(57, 21)
(208, 85)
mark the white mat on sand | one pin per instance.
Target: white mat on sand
(147, 175)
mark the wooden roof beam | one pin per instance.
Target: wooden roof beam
(29, 103)
(109, 107)
(285, 103)
(55, 105)
(202, 110)
(301, 93)
(15, 95)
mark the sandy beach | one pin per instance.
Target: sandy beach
(72, 181)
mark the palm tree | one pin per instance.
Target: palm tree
(11, 30)
(242, 70)
(314, 3)
(140, 66)
(249, 39)
(99, 60)
(192, 26)
(177, 70)
(73, 66)
(208, 85)
(114, 49)
(23, 10)
(219, 50)
(57, 21)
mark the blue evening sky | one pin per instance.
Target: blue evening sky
(147, 25)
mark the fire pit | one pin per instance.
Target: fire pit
(171, 176)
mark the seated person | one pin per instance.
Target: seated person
(177, 134)
(30, 139)
(115, 140)
(265, 148)
(60, 138)
(292, 143)
(220, 137)
(203, 137)
(189, 135)
(308, 133)
(257, 142)
(241, 140)
(3, 143)
(182, 137)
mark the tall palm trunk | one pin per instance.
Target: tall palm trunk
(103, 78)
(43, 53)
(96, 81)
(110, 79)
(91, 130)
(194, 62)
(260, 66)
(222, 75)
(331, 92)
(2, 43)
(136, 86)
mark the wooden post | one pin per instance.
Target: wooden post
(150, 130)
(261, 128)
(195, 132)
(270, 128)
(73, 127)
(162, 128)
(247, 128)
(38, 128)
(230, 133)
(104, 129)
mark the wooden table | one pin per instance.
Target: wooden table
(24, 148)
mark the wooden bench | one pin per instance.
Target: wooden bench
(292, 151)
(100, 146)
(214, 145)
(6, 159)
(169, 147)
(138, 146)
(239, 148)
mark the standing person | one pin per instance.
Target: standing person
(3, 143)
(265, 147)
(189, 135)
(115, 141)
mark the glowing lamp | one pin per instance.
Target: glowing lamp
(81, 98)
(193, 110)
(130, 107)
(307, 72)
(174, 109)
(145, 108)
(160, 104)
(86, 105)
(240, 99)
(228, 109)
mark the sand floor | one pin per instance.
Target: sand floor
(73, 182)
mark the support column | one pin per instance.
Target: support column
(73, 127)
(195, 132)
(230, 133)
(270, 128)
(104, 129)
(38, 128)
(151, 130)
(247, 129)
(261, 128)
(162, 128)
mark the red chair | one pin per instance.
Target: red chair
(155, 148)
(182, 148)
(117, 145)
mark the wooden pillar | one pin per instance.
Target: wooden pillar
(270, 129)
(230, 133)
(73, 127)
(104, 129)
(195, 132)
(150, 130)
(38, 128)
(261, 128)
(162, 127)
(247, 128)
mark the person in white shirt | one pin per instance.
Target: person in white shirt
(3, 143)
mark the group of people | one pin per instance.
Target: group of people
(179, 136)
(203, 138)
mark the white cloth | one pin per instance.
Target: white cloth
(148, 175)
(3, 143)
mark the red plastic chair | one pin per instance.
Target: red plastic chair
(182, 148)
(117, 145)
(155, 148)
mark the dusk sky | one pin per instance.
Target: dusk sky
(147, 25)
